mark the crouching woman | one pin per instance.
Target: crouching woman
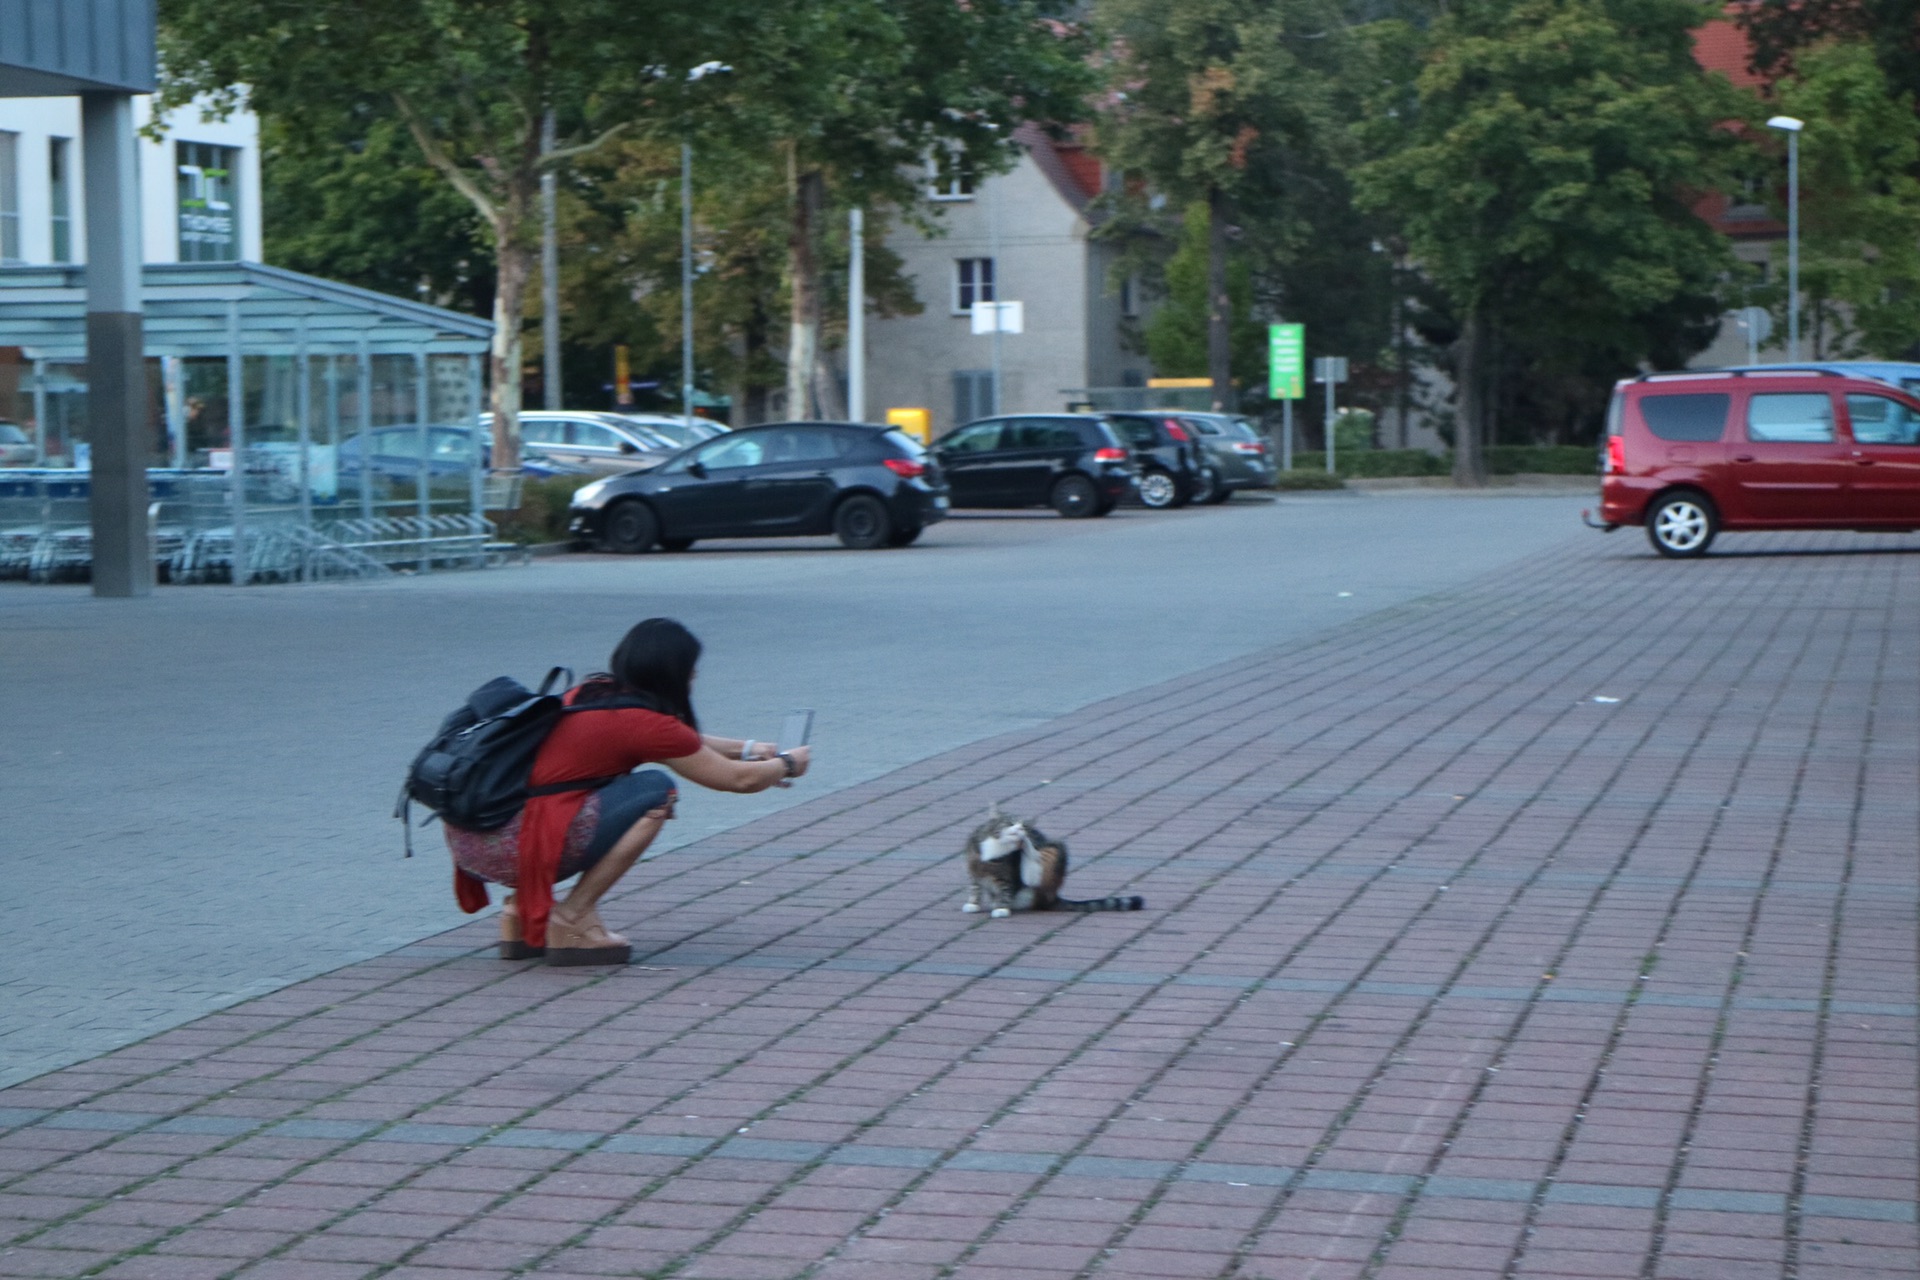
(598, 833)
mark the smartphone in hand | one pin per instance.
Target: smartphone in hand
(797, 731)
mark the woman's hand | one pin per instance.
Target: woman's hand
(799, 757)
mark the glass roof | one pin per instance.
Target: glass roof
(217, 308)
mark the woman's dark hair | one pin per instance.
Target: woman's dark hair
(653, 663)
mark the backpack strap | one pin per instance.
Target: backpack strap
(553, 675)
(584, 784)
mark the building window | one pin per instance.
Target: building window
(9, 197)
(1130, 296)
(209, 202)
(949, 176)
(60, 196)
(972, 282)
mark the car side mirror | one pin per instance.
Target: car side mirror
(628, 446)
(698, 470)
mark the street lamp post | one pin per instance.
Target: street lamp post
(1791, 127)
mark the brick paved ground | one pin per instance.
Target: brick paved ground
(1449, 970)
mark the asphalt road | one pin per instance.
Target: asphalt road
(196, 786)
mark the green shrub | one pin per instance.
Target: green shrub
(1306, 478)
(1352, 431)
(1543, 459)
(542, 515)
(1369, 464)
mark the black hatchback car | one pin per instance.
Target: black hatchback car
(1073, 463)
(869, 486)
(1175, 469)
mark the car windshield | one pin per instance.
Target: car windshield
(10, 434)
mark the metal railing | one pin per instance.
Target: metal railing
(46, 532)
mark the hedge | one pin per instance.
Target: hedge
(1502, 460)
(542, 516)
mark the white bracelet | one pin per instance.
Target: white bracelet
(746, 749)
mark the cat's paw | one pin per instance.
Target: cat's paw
(969, 906)
(1000, 913)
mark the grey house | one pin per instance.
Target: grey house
(1021, 236)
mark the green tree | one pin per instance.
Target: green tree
(1782, 29)
(853, 99)
(471, 80)
(1227, 102)
(1177, 332)
(360, 206)
(1543, 169)
(1860, 203)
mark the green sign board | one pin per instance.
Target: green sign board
(1286, 361)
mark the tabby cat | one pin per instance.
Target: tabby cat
(1015, 867)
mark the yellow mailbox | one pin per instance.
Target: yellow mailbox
(917, 423)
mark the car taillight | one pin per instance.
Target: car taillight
(1109, 455)
(1616, 455)
(905, 467)
(1177, 431)
(1249, 446)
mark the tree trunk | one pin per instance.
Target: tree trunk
(1469, 459)
(1219, 305)
(515, 267)
(827, 396)
(803, 267)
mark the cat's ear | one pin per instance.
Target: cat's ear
(993, 811)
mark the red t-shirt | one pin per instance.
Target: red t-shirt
(590, 744)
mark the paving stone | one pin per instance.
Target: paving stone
(1440, 954)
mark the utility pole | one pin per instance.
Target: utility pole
(549, 271)
(856, 316)
(686, 282)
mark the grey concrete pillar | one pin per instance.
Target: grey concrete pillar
(116, 373)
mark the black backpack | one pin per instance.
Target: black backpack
(473, 773)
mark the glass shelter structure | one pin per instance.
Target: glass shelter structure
(299, 428)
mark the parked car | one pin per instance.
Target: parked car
(679, 430)
(1236, 450)
(1174, 469)
(16, 446)
(869, 486)
(394, 453)
(1075, 463)
(603, 442)
(1688, 455)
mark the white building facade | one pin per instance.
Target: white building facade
(199, 185)
(1024, 236)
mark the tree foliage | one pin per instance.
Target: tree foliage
(1229, 103)
(470, 79)
(1543, 169)
(1859, 204)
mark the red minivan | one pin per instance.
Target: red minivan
(1690, 454)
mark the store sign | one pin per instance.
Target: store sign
(1286, 361)
(209, 202)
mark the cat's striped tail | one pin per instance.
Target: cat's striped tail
(1119, 902)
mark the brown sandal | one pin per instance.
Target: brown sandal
(586, 943)
(513, 943)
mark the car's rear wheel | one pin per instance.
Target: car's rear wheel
(1682, 525)
(904, 537)
(630, 527)
(1073, 497)
(675, 544)
(1208, 487)
(1159, 490)
(861, 523)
